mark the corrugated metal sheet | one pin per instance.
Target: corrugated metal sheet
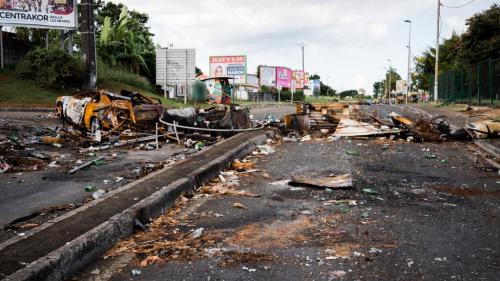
(175, 66)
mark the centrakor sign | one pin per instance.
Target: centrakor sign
(51, 14)
(229, 66)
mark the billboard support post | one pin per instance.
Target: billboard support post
(1, 47)
(46, 39)
(62, 39)
(88, 42)
(166, 71)
(186, 92)
(70, 42)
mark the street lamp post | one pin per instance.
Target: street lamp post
(409, 63)
(436, 69)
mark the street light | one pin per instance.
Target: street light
(409, 63)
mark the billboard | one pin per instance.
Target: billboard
(401, 86)
(298, 77)
(283, 77)
(51, 14)
(306, 79)
(231, 66)
(175, 66)
(315, 85)
(267, 76)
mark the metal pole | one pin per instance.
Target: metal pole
(62, 39)
(186, 90)
(436, 70)
(70, 42)
(46, 38)
(166, 71)
(157, 143)
(408, 87)
(303, 61)
(390, 80)
(1, 47)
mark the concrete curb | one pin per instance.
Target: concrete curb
(20, 109)
(60, 264)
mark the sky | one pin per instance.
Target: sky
(348, 42)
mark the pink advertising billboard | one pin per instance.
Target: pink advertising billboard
(283, 77)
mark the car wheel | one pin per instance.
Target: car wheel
(95, 129)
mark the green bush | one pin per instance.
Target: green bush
(107, 74)
(287, 95)
(51, 68)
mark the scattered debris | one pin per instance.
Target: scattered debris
(370, 191)
(342, 181)
(239, 206)
(484, 129)
(266, 149)
(98, 194)
(352, 128)
(96, 161)
(136, 272)
(198, 232)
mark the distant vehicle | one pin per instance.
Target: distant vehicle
(96, 111)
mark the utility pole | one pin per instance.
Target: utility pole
(436, 70)
(88, 43)
(302, 46)
(1, 47)
(408, 87)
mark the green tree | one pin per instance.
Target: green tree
(348, 93)
(314, 77)
(378, 88)
(392, 76)
(480, 42)
(482, 39)
(125, 41)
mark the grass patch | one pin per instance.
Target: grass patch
(320, 99)
(21, 93)
(107, 75)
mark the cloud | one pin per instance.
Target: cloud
(347, 40)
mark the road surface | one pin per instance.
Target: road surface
(417, 211)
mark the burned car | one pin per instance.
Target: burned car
(96, 111)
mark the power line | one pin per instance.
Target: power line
(459, 6)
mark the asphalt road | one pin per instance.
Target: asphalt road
(27, 192)
(434, 216)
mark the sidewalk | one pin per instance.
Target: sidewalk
(89, 231)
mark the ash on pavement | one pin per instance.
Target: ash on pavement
(408, 217)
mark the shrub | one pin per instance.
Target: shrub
(51, 68)
(287, 95)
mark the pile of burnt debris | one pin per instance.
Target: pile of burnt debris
(342, 120)
(103, 121)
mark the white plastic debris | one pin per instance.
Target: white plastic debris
(98, 194)
(266, 149)
(198, 232)
(136, 272)
(374, 250)
(249, 269)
